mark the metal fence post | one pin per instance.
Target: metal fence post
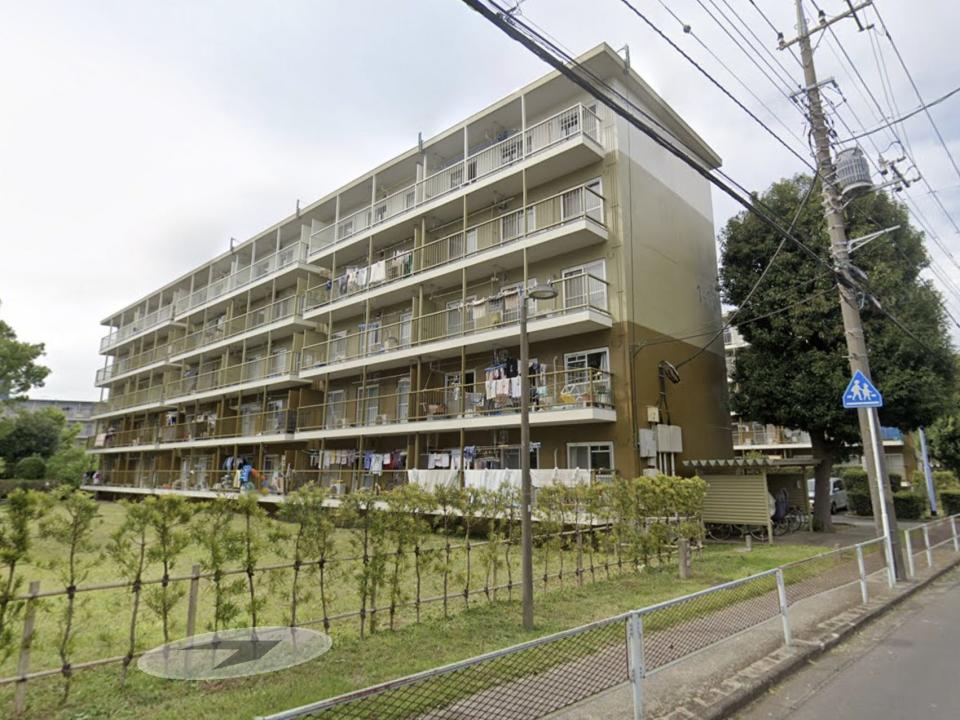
(784, 614)
(635, 655)
(926, 544)
(23, 662)
(910, 568)
(953, 529)
(863, 574)
(192, 601)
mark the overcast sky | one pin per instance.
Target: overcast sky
(137, 137)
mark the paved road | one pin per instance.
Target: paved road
(903, 666)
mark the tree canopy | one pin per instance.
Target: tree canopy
(31, 433)
(795, 368)
(19, 371)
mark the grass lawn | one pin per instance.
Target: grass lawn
(351, 663)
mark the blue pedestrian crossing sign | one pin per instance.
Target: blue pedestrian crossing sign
(861, 393)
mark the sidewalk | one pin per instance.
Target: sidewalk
(711, 683)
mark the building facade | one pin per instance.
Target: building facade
(376, 331)
(77, 412)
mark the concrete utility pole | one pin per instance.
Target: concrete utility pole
(850, 309)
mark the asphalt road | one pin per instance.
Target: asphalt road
(902, 666)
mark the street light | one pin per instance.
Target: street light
(538, 292)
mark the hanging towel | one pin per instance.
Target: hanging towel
(376, 463)
(378, 272)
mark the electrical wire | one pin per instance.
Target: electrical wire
(899, 120)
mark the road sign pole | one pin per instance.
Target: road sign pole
(878, 459)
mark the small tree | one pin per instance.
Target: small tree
(313, 533)
(22, 508)
(71, 524)
(369, 535)
(471, 504)
(70, 462)
(448, 499)
(128, 549)
(31, 468)
(169, 520)
(253, 518)
(222, 545)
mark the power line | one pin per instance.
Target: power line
(715, 82)
(916, 90)
(899, 120)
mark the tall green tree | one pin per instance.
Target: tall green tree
(795, 368)
(19, 371)
(31, 433)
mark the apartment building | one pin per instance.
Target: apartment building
(376, 332)
(77, 412)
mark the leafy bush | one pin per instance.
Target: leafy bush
(31, 468)
(69, 462)
(8, 486)
(859, 502)
(951, 502)
(855, 480)
(896, 481)
(908, 505)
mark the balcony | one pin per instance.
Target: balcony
(261, 319)
(141, 325)
(567, 126)
(568, 220)
(245, 277)
(770, 436)
(279, 369)
(123, 366)
(147, 398)
(559, 397)
(203, 430)
(580, 306)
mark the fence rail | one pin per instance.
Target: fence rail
(530, 680)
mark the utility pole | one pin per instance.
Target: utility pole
(884, 516)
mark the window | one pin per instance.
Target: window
(403, 399)
(510, 458)
(510, 227)
(593, 200)
(338, 346)
(578, 364)
(456, 177)
(463, 244)
(368, 404)
(374, 336)
(582, 286)
(406, 329)
(336, 404)
(454, 389)
(460, 316)
(590, 456)
(570, 122)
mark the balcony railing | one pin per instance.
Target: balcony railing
(290, 307)
(557, 210)
(248, 275)
(555, 390)
(566, 125)
(130, 363)
(278, 364)
(146, 396)
(203, 426)
(771, 436)
(575, 293)
(147, 322)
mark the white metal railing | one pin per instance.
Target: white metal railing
(576, 121)
(286, 308)
(147, 322)
(129, 363)
(276, 365)
(543, 215)
(402, 330)
(252, 273)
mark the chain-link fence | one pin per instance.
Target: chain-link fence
(536, 678)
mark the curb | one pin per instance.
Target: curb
(740, 699)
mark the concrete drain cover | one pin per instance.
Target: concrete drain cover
(234, 653)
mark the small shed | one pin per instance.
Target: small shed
(739, 489)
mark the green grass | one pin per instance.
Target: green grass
(352, 663)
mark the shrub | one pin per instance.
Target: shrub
(31, 468)
(855, 480)
(8, 486)
(896, 481)
(908, 505)
(951, 502)
(859, 502)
